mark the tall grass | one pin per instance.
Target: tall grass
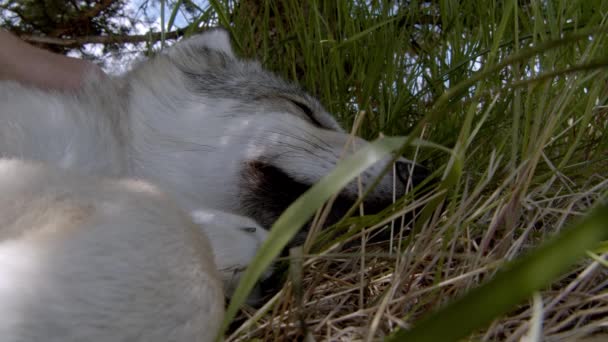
(517, 92)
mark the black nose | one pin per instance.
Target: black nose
(410, 172)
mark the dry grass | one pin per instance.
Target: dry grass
(347, 295)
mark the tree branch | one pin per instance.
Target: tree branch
(83, 18)
(116, 39)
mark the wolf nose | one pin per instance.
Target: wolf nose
(408, 171)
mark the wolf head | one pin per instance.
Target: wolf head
(223, 133)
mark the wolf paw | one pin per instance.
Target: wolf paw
(234, 239)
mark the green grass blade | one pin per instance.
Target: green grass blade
(162, 24)
(224, 20)
(364, 33)
(173, 14)
(300, 212)
(222, 13)
(517, 282)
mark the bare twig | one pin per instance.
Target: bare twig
(120, 39)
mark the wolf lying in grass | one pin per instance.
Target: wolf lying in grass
(86, 254)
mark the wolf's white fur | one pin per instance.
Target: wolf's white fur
(86, 258)
(243, 235)
(153, 124)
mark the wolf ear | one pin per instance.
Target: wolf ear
(217, 39)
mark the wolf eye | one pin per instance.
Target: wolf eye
(308, 112)
(248, 229)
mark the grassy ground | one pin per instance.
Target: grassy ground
(518, 94)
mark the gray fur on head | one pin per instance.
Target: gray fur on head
(200, 94)
(217, 39)
(214, 45)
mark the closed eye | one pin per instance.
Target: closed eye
(308, 112)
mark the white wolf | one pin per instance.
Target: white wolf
(85, 257)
